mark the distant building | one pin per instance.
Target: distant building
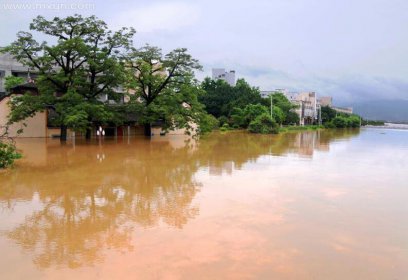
(266, 93)
(289, 95)
(307, 107)
(325, 101)
(347, 110)
(221, 74)
(328, 101)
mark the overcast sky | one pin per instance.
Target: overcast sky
(351, 49)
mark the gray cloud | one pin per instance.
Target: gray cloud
(352, 50)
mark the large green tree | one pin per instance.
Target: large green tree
(163, 88)
(84, 61)
(220, 98)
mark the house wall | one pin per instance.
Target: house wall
(36, 126)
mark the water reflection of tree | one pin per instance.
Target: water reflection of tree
(241, 147)
(89, 205)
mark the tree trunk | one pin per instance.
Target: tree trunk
(63, 134)
(148, 129)
(88, 134)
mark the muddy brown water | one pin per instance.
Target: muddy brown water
(310, 205)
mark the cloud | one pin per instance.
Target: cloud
(365, 88)
(168, 16)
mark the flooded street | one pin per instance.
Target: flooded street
(310, 205)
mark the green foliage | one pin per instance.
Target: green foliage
(225, 127)
(243, 117)
(220, 98)
(291, 118)
(343, 121)
(164, 87)
(222, 120)
(12, 81)
(353, 121)
(263, 124)
(8, 154)
(284, 109)
(328, 114)
(278, 114)
(78, 114)
(88, 59)
(207, 123)
(374, 123)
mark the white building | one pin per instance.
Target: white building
(266, 93)
(221, 74)
(307, 107)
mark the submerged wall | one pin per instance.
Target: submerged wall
(36, 126)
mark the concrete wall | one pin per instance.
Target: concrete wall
(36, 126)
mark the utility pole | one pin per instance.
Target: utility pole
(271, 105)
(320, 115)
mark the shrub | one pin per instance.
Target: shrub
(225, 127)
(207, 123)
(263, 124)
(243, 117)
(354, 121)
(222, 120)
(8, 154)
(340, 122)
(344, 121)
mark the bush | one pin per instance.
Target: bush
(8, 154)
(263, 124)
(225, 127)
(354, 121)
(243, 117)
(344, 121)
(222, 120)
(340, 122)
(207, 123)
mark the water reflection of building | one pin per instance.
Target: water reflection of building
(309, 141)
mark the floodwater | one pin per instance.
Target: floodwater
(310, 205)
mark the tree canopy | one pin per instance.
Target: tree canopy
(84, 61)
(220, 98)
(12, 81)
(163, 88)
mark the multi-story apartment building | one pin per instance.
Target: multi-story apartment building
(307, 108)
(221, 74)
